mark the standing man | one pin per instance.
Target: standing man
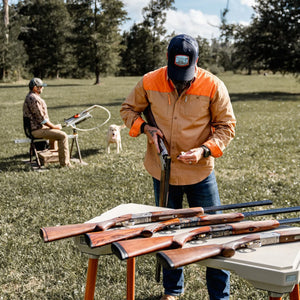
(194, 115)
(35, 109)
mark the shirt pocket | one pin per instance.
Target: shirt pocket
(195, 107)
(161, 105)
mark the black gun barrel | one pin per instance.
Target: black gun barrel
(209, 209)
(274, 211)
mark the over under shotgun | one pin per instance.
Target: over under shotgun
(97, 239)
(175, 258)
(132, 248)
(165, 161)
(49, 234)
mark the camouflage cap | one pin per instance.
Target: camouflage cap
(36, 82)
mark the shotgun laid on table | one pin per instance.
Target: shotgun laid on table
(133, 248)
(172, 259)
(49, 234)
(97, 239)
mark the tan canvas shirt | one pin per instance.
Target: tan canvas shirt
(201, 115)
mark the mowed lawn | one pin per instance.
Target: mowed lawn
(262, 162)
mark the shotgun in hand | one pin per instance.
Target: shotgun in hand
(49, 234)
(97, 239)
(175, 258)
(132, 248)
(165, 161)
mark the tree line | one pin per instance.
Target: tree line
(82, 38)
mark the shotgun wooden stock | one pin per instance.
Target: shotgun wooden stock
(133, 248)
(97, 239)
(49, 234)
(172, 259)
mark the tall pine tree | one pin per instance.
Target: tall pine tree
(277, 22)
(46, 36)
(271, 41)
(12, 53)
(105, 37)
(146, 43)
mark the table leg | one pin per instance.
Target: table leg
(130, 278)
(294, 295)
(91, 279)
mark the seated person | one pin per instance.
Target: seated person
(35, 109)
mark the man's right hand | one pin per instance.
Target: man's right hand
(152, 134)
(52, 126)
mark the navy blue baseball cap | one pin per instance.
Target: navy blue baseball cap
(183, 54)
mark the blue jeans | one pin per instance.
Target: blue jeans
(204, 193)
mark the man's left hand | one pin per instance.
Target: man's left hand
(192, 156)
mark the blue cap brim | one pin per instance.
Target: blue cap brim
(180, 73)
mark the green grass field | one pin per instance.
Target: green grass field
(262, 162)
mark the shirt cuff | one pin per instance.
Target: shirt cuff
(214, 149)
(44, 121)
(135, 128)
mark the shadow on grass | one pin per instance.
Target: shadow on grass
(270, 96)
(16, 163)
(235, 97)
(51, 85)
(88, 152)
(116, 102)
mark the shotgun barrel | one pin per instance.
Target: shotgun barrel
(165, 161)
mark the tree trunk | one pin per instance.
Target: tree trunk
(6, 14)
(97, 73)
(1, 73)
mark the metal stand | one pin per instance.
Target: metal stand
(75, 139)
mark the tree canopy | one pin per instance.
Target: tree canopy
(80, 38)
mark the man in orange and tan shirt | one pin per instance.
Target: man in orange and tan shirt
(35, 109)
(194, 114)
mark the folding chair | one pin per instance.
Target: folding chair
(33, 151)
